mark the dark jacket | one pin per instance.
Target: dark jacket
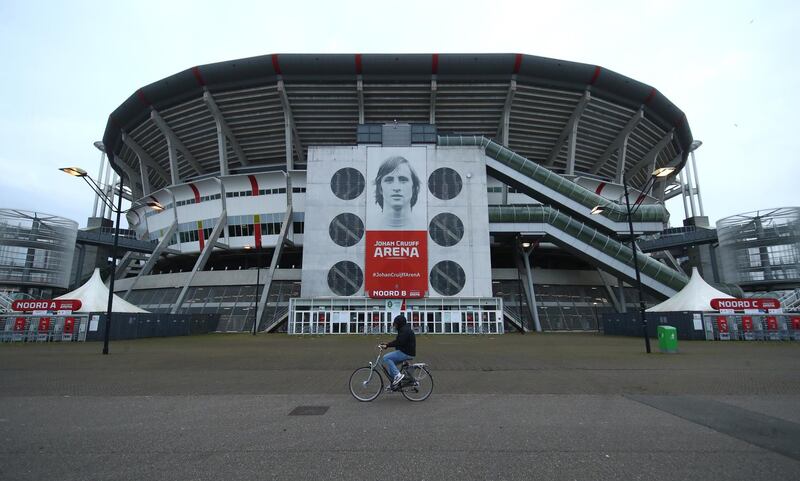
(405, 340)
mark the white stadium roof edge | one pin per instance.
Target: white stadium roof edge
(262, 113)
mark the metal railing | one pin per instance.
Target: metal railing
(547, 178)
(589, 235)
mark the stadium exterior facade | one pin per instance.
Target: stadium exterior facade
(270, 162)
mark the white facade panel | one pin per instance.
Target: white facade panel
(465, 168)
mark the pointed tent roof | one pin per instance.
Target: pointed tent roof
(696, 295)
(94, 297)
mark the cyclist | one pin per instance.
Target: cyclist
(405, 345)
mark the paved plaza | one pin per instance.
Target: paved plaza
(548, 406)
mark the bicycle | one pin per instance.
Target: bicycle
(366, 383)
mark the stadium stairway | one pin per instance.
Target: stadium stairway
(566, 217)
(550, 188)
(587, 242)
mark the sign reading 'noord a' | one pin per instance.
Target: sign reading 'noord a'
(27, 305)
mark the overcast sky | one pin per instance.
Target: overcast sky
(732, 67)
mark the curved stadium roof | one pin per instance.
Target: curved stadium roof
(322, 99)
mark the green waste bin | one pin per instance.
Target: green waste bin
(667, 339)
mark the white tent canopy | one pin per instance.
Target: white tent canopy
(94, 297)
(696, 295)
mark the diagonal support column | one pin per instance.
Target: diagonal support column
(224, 132)
(173, 143)
(609, 291)
(434, 88)
(529, 287)
(276, 255)
(617, 143)
(569, 131)
(222, 221)
(131, 175)
(650, 158)
(144, 158)
(360, 90)
(151, 262)
(123, 264)
(504, 125)
(292, 136)
(622, 155)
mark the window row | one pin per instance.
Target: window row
(277, 190)
(193, 201)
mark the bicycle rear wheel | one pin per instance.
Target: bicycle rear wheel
(366, 384)
(422, 385)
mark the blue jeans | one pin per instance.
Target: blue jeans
(391, 358)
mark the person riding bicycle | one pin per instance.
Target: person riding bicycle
(405, 345)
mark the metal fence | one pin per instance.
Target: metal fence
(28, 328)
(708, 326)
(91, 327)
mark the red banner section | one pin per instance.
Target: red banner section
(722, 324)
(27, 305)
(69, 325)
(396, 264)
(747, 323)
(19, 324)
(44, 324)
(742, 304)
(772, 323)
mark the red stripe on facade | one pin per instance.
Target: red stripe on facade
(517, 63)
(142, 98)
(435, 64)
(596, 74)
(253, 184)
(198, 76)
(275, 65)
(200, 235)
(196, 193)
(650, 96)
(599, 188)
(358, 63)
(256, 218)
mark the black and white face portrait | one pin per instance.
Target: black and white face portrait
(397, 192)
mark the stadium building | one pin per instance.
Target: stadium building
(315, 193)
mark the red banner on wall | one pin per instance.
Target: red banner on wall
(44, 324)
(747, 323)
(772, 323)
(796, 323)
(69, 325)
(722, 324)
(396, 264)
(19, 324)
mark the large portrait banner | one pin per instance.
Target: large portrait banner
(397, 221)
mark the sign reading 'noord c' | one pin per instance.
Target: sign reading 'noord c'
(742, 304)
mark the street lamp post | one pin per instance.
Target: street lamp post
(258, 282)
(108, 201)
(661, 172)
(635, 256)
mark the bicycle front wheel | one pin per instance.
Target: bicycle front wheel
(421, 385)
(366, 384)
